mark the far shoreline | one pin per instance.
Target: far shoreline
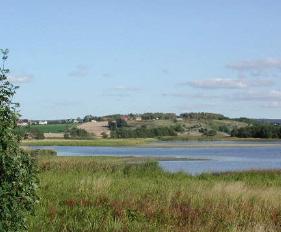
(154, 142)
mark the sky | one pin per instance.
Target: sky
(72, 58)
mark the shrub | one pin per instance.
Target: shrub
(18, 175)
(42, 152)
(224, 129)
(207, 132)
(75, 132)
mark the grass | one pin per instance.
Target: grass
(134, 141)
(92, 142)
(132, 194)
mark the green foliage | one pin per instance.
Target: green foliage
(257, 131)
(49, 128)
(32, 133)
(77, 133)
(202, 115)
(179, 128)
(42, 152)
(225, 129)
(118, 123)
(18, 177)
(163, 116)
(143, 132)
(208, 132)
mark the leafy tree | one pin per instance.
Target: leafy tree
(75, 132)
(224, 128)
(258, 131)
(18, 175)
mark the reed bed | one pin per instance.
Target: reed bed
(130, 194)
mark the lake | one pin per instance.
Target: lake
(214, 156)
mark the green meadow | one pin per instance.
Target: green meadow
(134, 194)
(50, 128)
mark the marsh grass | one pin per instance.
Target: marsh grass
(130, 194)
(88, 142)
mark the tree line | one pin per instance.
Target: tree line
(266, 131)
(202, 115)
(145, 132)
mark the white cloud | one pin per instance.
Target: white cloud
(265, 96)
(274, 104)
(227, 83)
(188, 95)
(218, 83)
(20, 79)
(267, 66)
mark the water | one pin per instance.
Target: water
(234, 157)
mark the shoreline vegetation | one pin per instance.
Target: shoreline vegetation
(135, 194)
(153, 142)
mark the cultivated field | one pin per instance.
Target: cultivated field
(96, 128)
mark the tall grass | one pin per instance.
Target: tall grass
(113, 194)
(89, 142)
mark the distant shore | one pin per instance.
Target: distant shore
(151, 142)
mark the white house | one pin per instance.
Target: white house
(43, 122)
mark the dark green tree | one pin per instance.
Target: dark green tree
(18, 175)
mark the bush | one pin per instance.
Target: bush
(224, 129)
(211, 133)
(42, 152)
(104, 135)
(30, 133)
(18, 172)
(77, 133)
(207, 132)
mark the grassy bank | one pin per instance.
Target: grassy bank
(129, 194)
(92, 142)
(136, 141)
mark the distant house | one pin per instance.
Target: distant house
(23, 122)
(138, 118)
(125, 117)
(43, 122)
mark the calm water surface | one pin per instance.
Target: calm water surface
(218, 158)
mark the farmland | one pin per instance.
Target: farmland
(50, 128)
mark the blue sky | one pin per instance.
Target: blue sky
(73, 58)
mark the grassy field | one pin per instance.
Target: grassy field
(92, 142)
(50, 128)
(129, 194)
